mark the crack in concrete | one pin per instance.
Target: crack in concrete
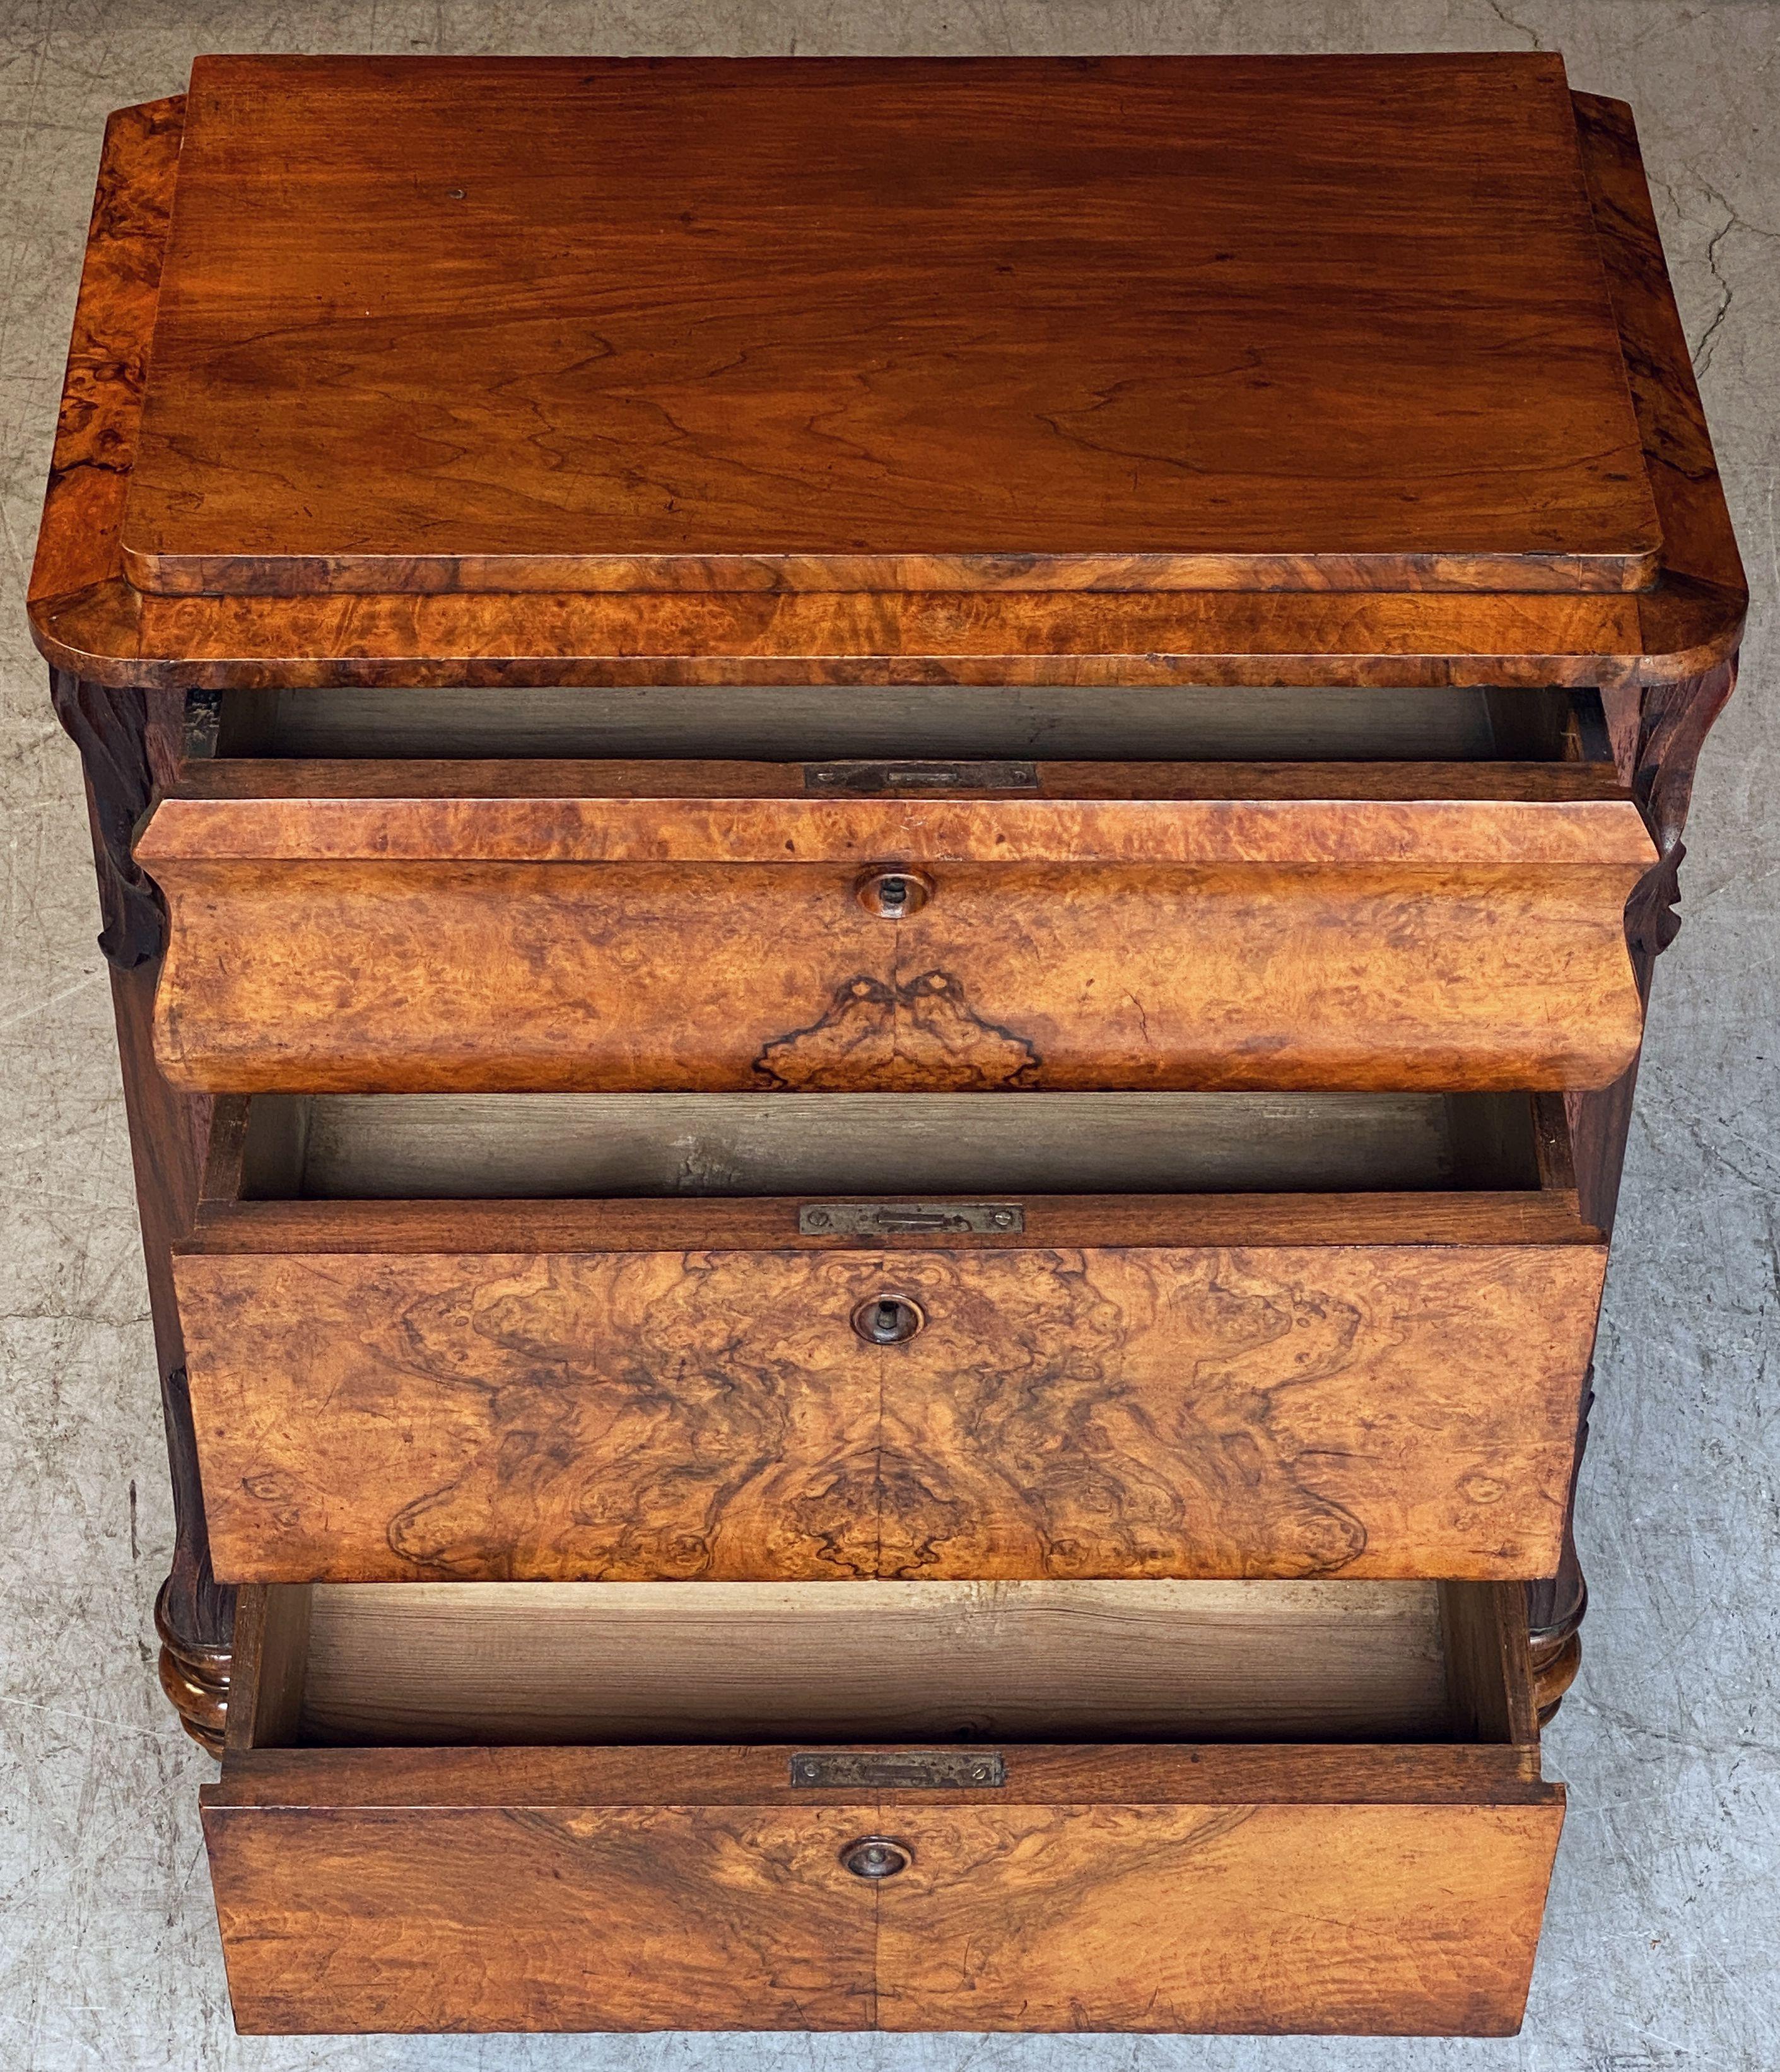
(1727, 288)
(1520, 28)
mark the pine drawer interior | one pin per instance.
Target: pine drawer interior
(790, 723)
(942, 1663)
(551, 1145)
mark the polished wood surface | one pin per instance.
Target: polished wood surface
(411, 945)
(406, 977)
(87, 619)
(78, 548)
(1020, 1910)
(567, 935)
(1404, 1920)
(1249, 1409)
(835, 324)
(667, 1916)
(1548, 1217)
(127, 750)
(513, 1918)
(1702, 588)
(1159, 1887)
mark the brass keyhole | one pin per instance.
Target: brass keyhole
(888, 1320)
(876, 1856)
(893, 894)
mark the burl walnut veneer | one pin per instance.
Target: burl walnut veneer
(880, 843)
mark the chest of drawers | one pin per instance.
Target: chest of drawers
(881, 844)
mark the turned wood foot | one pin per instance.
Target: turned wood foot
(1556, 1659)
(195, 1677)
(1554, 1612)
(1555, 1607)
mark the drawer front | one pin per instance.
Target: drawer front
(1394, 1891)
(527, 944)
(1365, 1409)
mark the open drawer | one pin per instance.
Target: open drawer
(1143, 1806)
(656, 1338)
(379, 926)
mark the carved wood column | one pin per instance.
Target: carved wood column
(126, 742)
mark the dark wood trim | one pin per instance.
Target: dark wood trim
(194, 1614)
(1430, 1774)
(1457, 1217)
(110, 729)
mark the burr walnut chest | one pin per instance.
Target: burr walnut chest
(881, 844)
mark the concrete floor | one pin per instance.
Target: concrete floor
(1662, 1948)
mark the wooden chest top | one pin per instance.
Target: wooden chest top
(1154, 323)
(1343, 371)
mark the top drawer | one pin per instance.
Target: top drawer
(519, 925)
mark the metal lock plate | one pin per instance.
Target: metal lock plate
(911, 1218)
(900, 1770)
(879, 779)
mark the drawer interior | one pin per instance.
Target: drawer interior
(541, 1663)
(1188, 723)
(516, 1146)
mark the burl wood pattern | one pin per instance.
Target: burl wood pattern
(906, 1035)
(1352, 943)
(87, 618)
(402, 1891)
(838, 325)
(1382, 1410)
(1694, 612)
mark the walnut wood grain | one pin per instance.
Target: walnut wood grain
(97, 626)
(1488, 927)
(112, 634)
(1405, 1920)
(521, 1918)
(1702, 593)
(641, 798)
(78, 551)
(839, 325)
(1244, 1411)
(694, 1223)
(429, 1889)
(277, 1772)
(375, 977)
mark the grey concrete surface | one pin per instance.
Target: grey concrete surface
(1662, 1949)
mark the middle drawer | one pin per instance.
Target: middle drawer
(1351, 1340)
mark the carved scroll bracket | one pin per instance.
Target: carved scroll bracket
(110, 729)
(1658, 734)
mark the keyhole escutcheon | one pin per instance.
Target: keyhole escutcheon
(888, 1320)
(893, 893)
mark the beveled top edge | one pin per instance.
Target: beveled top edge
(87, 620)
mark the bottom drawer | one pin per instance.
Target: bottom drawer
(1141, 1806)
